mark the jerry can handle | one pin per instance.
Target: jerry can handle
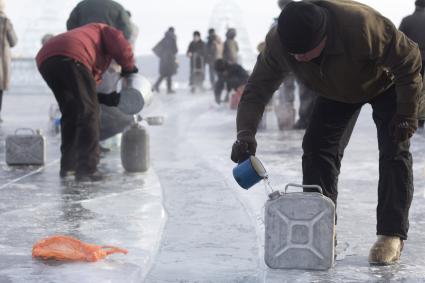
(304, 187)
(24, 129)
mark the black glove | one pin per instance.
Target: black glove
(111, 99)
(125, 73)
(244, 147)
(403, 127)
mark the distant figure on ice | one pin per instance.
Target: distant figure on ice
(414, 27)
(231, 47)
(72, 63)
(166, 50)
(352, 56)
(197, 53)
(100, 11)
(214, 52)
(231, 76)
(8, 39)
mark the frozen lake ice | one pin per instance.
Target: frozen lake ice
(186, 220)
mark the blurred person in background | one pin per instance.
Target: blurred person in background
(231, 76)
(414, 27)
(72, 63)
(100, 11)
(231, 47)
(197, 54)
(214, 51)
(8, 39)
(166, 50)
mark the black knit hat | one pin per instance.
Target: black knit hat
(420, 3)
(301, 26)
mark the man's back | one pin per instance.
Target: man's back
(100, 11)
(413, 26)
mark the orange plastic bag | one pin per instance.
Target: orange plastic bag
(67, 248)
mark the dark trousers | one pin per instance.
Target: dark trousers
(1, 98)
(324, 142)
(75, 90)
(212, 73)
(160, 79)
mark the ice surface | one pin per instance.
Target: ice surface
(186, 220)
(126, 210)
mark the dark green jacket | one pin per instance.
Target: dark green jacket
(100, 11)
(364, 55)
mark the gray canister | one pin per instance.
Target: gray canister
(299, 230)
(135, 148)
(26, 147)
(136, 93)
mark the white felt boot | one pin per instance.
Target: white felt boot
(386, 250)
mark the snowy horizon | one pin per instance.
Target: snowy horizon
(50, 16)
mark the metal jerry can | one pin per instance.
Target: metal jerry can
(136, 93)
(26, 147)
(135, 148)
(300, 230)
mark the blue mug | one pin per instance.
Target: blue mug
(249, 172)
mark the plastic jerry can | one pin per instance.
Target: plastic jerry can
(26, 147)
(135, 148)
(299, 230)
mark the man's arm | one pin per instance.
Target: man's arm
(402, 57)
(266, 77)
(118, 47)
(12, 39)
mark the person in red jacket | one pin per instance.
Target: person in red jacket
(72, 63)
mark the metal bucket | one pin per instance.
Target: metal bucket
(136, 93)
(299, 230)
(26, 147)
(249, 172)
(155, 120)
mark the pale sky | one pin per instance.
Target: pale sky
(154, 16)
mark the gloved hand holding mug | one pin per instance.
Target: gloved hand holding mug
(111, 99)
(244, 147)
(403, 127)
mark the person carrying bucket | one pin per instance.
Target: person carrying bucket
(351, 55)
(72, 63)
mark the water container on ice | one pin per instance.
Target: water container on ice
(299, 230)
(26, 147)
(135, 148)
(136, 93)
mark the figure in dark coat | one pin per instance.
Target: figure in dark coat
(414, 26)
(166, 50)
(100, 11)
(197, 54)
